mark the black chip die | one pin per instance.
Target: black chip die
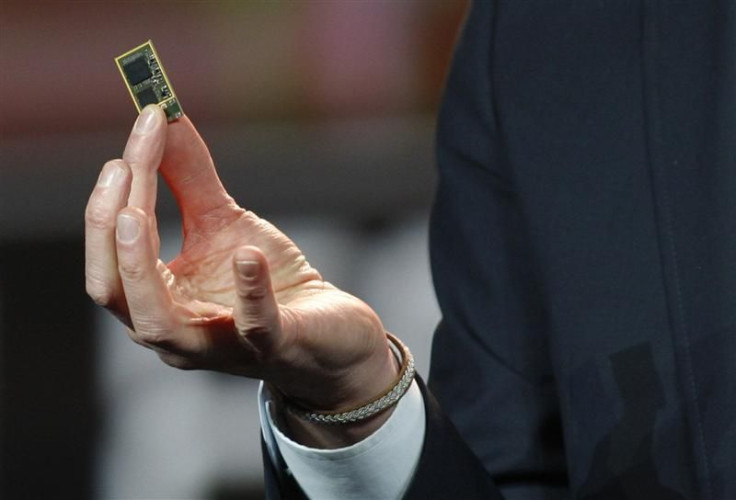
(137, 70)
(147, 96)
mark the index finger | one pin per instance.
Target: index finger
(143, 154)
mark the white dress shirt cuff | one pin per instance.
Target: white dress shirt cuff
(380, 466)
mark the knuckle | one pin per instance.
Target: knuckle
(253, 293)
(101, 294)
(132, 271)
(145, 339)
(136, 338)
(150, 332)
(250, 216)
(97, 215)
(151, 336)
(176, 361)
(135, 150)
(254, 331)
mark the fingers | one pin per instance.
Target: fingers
(131, 180)
(256, 312)
(143, 154)
(190, 173)
(149, 301)
(101, 266)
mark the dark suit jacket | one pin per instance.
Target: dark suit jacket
(583, 247)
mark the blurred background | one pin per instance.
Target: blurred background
(320, 116)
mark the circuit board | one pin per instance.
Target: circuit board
(147, 81)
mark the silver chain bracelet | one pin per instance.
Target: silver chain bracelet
(384, 401)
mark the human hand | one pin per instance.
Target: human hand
(240, 297)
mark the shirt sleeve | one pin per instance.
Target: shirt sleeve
(380, 466)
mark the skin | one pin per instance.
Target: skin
(240, 298)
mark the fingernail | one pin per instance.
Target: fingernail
(127, 228)
(248, 269)
(111, 174)
(146, 120)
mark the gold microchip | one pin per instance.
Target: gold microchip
(147, 81)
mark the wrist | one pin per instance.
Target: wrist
(329, 437)
(369, 381)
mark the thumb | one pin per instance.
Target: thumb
(256, 313)
(189, 172)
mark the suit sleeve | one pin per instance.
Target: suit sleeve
(490, 370)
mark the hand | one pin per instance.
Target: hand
(240, 297)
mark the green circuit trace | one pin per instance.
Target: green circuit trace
(146, 80)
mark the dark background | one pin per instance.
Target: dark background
(315, 108)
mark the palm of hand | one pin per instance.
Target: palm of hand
(334, 327)
(202, 275)
(318, 323)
